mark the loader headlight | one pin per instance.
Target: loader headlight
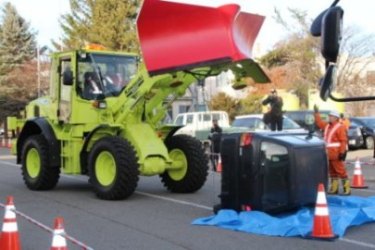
(99, 104)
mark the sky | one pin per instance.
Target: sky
(44, 15)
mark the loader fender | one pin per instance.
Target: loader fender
(40, 126)
(172, 132)
(84, 153)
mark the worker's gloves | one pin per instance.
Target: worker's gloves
(316, 109)
(342, 156)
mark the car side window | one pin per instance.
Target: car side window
(180, 120)
(189, 119)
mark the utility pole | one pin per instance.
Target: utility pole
(39, 52)
(38, 68)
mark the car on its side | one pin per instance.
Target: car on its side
(367, 127)
(255, 122)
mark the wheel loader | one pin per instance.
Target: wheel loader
(113, 131)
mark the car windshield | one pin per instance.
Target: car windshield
(104, 74)
(290, 124)
(257, 123)
(370, 122)
(245, 122)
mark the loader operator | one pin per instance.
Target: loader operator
(336, 140)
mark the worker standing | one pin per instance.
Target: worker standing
(345, 121)
(275, 115)
(215, 137)
(336, 140)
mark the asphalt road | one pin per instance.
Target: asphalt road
(152, 218)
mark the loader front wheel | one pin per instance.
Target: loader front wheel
(113, 168)
(37, 173)
(191, 165)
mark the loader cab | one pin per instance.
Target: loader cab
(102, 75)
(82, 77)
(62, 84)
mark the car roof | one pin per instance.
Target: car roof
(203, 112)
(363, 118)
(307, 111)
(253, 116)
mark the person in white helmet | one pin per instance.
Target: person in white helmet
(336, 140)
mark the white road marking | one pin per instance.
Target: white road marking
(174, 200)
(364, 190)
(7, 157)
(359, 243)
(354, 242)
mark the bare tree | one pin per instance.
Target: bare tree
(356, 55)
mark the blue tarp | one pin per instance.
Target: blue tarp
(344, 212)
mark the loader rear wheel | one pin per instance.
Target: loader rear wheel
(37, 173)
(186, 153)
(113, 168)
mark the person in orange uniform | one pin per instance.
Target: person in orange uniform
(336, 140)
(345, 121)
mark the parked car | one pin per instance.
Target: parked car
(255, 122)
(355, 138)
(198, 124)
(367, 127)
(305, 118)
(1, 131)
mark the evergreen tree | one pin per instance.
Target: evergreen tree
(17, 69)
(17, 41)
(110, 23)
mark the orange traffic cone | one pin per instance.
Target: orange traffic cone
(219, 167)
(9, 238)
(322, 224)
(358, 180)
(58, 240)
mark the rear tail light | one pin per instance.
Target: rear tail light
(246, 139)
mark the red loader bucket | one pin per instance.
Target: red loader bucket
(177, 36)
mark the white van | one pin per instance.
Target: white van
(198, 124)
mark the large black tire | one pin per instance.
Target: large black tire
(117, 155)
(37, 173)
(197, 165)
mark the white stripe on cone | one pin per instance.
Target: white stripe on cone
(321, 211)
(357, 172)
(58, 238)
(10, 227)
(9, 212)
(321, 199)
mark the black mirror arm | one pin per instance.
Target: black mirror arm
(335, 3)
(352, 99)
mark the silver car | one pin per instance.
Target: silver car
(255, 122)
